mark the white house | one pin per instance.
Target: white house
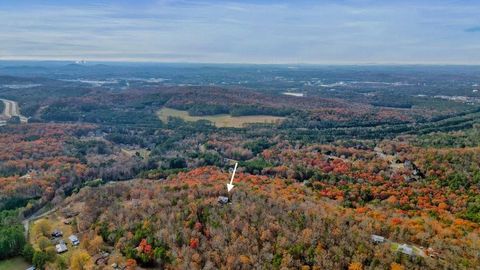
(405, 249)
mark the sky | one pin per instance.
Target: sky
(229, 31)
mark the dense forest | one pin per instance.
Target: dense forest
(271, 223)
(372, 174)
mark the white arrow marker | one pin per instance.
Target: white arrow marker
(230, 186)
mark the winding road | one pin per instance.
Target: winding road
(11, 110)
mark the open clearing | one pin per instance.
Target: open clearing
(219, 120)
(17, 263)
(56, 223)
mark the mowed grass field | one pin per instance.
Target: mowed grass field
(17, 263)
(219, 120)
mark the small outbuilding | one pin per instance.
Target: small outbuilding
(377, 239)
(74, 240)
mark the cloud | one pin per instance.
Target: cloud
(473, 29)
(304, 31)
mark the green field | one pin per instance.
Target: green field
(17, 263)
(219, 120)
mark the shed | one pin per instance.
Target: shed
(377, 239)
(74, 240)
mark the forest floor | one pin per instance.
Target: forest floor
(220, 120)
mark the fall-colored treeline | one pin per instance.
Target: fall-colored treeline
(271, 223)
(33, 160)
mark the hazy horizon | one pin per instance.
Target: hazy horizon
(349, 32)
(154, 62)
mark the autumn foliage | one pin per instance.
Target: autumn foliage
(271, 222)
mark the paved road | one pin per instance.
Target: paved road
(12, 109)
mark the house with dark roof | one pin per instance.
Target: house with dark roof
(57, 233)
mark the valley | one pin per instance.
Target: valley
(239, 135)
